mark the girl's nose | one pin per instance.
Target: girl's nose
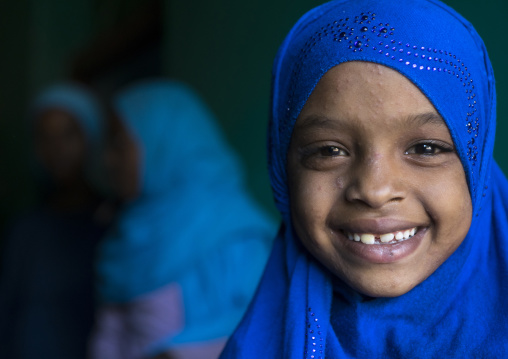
(375, 181)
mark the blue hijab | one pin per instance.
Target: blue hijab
(193, 222)
(300, 310)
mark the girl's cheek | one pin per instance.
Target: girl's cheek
(340, 183)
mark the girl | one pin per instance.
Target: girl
(179, 268)
(393, 243)
(46, 293)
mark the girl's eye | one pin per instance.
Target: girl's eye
(322, 156)
(427, 149)
(332, 151)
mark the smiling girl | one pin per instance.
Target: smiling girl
(378, 193)
(393, 239)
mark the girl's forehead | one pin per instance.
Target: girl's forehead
(56, 119)
(367, 97)
(369, 85)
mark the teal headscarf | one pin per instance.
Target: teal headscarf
(84, 107)
(193, 223)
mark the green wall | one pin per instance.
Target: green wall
(14, 62)
(225, 50)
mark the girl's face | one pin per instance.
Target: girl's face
(122, 160)
(60, 145)
(378, 194)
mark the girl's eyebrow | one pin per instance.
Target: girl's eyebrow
(314, 121)
(427, 118)
(318, 121)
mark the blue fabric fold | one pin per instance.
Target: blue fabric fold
(300, 310)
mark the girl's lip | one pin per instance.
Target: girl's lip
(383, 252)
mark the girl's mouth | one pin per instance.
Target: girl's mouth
(385, 238)
(386, 247)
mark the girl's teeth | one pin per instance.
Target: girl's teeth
(385, 238)
(368, 238)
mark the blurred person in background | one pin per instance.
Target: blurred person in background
(178, 269)
(46, 288)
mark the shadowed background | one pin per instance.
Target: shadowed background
(224, 49)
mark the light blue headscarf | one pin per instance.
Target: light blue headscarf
(300, 309)
(193, 223)
(79, 102)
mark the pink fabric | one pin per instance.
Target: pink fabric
(203, 350)
(125, 331)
